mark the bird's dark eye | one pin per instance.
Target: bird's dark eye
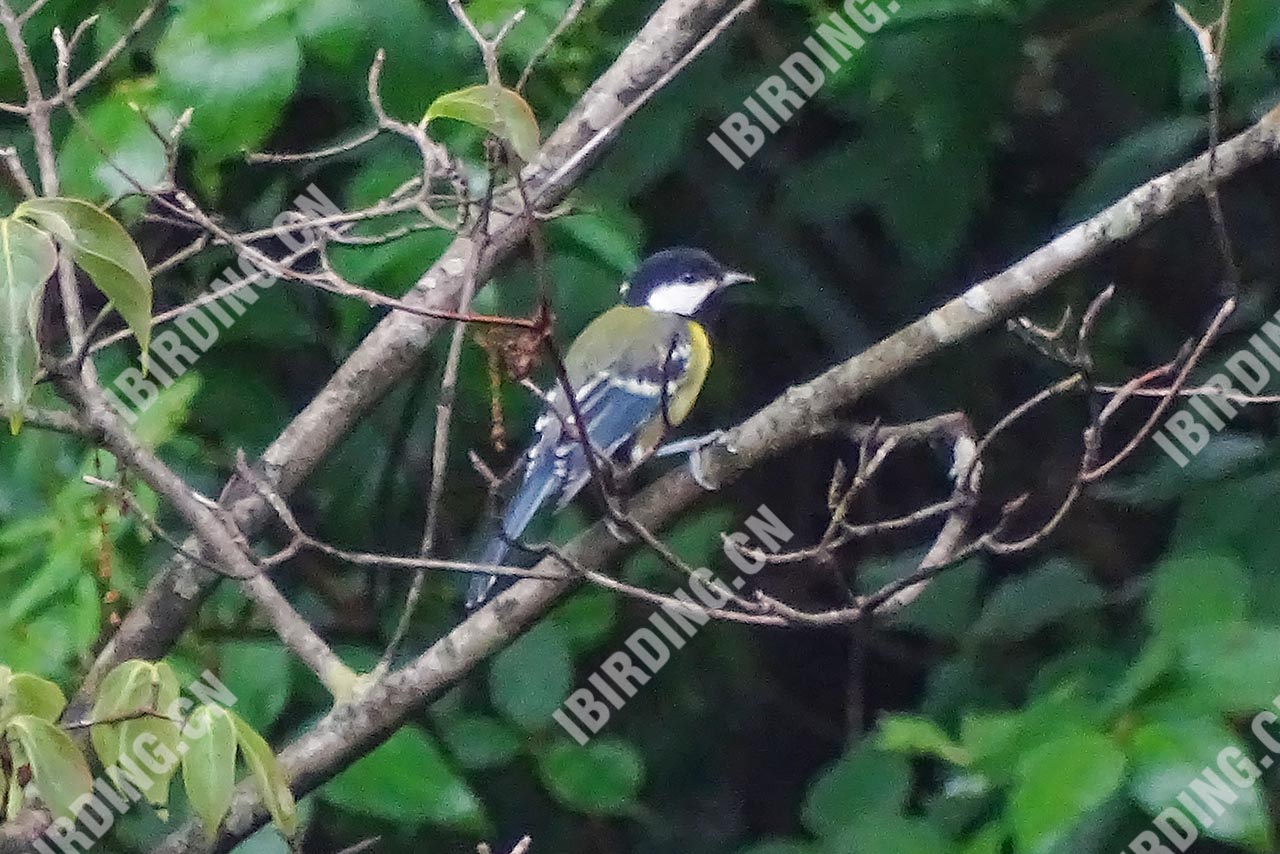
(688, 278)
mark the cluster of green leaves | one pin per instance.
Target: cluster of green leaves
(419, 776)
(66, 543)
(938, 88)
(239, 63)
(32, 740)
(1052, 729)
(207, 744)
(140, 737)
(28, 256)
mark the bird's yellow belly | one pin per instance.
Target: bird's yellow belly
(690, 384)
(682, 399)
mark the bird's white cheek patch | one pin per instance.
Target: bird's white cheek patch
(681, 298)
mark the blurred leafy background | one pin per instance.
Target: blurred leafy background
(1049, 704)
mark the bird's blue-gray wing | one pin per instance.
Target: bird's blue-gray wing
(616, 402)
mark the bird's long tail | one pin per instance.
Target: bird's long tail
(539, 484)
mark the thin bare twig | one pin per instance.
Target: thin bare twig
(440, 448)
(488, 47)
(1210, 334)
(1211, 41)
(13, 163)
(31, 11)
(131, 503)
(319, 154)
(566, 20)
(94, 71)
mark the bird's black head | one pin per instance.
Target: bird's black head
(681, 281)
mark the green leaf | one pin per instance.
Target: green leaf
(407, 779)
(102, 248)
(478, 741)
(1134, 160)
(892, 834)
(128, 688)
(1058, 784)
(500, 111)
(598, 778)
(611, 237)
(1155, 661)
(948, 605)
(163, 736)
(332, 32)
(57, 766)
(132, 687)
(1026, 604)
(27, 259)
(1247, 532)
(167, 688)
(1197, 590)
(52, 580)
(988, 840)
(26, 694)
(209, 765)
(237, 64)
(1165, 758)
(267, 840)
(530, 679)
(911, 734)
(1163, 480)
(168, 411)
(997, 742)
(780, 846)
(268, 776)
(114, 125)
(863, 781)
(259, 674)
(587, 617)
(1086, 671)
(1236, 665)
